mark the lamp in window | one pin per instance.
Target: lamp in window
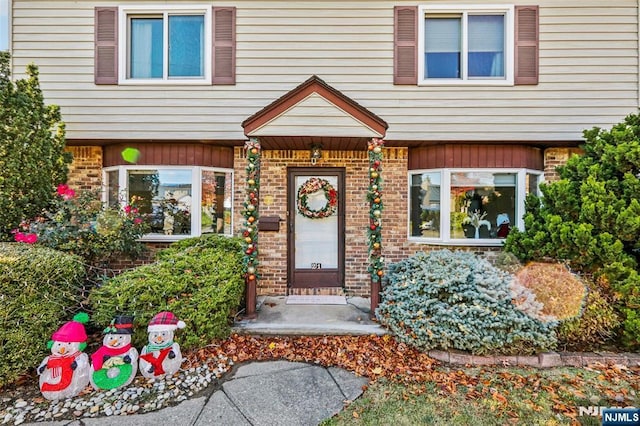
(316, 152)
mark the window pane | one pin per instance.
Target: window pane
(425, 205)
(531, 186)
(442, 47)
(186, 46)
(164, 196)
(146, 48)
(486, 45)
(4, 24)
(483, 204)
(113, 188)
(216, 202)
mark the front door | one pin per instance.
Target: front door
(316, 227)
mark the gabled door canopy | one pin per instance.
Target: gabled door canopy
(314, 112)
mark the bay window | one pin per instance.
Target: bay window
(468, 206)
(175, 201)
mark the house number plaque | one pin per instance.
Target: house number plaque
(316, 265)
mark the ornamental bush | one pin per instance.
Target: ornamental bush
(456, 300)
(40, 289)
(78, 223)
(594, 329)
(198, 279)
(590, 218)
(32, 148)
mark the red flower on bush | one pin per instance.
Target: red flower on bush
(65, 192)
(29, 238)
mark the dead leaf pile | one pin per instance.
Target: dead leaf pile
(378, 357)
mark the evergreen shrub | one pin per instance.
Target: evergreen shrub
(39, 291)
(456, 300)
(198, 279)
(590, 218)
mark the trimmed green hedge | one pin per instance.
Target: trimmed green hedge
(40, 289)
(198, 279)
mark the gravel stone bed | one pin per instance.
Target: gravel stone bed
(25, 404)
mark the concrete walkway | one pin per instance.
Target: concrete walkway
(260, 393)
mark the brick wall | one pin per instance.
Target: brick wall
(554, 157)
(273, 202)
(86, 170)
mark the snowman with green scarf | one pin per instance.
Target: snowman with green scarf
(162, 355)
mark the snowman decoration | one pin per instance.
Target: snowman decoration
(65, 372)
(162, 355)
(115, 364)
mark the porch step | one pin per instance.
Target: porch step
(276, 317)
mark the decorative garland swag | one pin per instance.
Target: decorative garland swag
(311, 186)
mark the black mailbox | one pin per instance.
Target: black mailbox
(269, 223)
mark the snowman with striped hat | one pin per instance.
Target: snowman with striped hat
(65, 373)
(161, 356)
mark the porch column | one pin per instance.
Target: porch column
(374, 195)
(250, 232)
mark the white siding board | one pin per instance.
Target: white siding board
(588, 73)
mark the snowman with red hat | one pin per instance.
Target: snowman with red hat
(115, 364)
(65, 372)
(162, 355)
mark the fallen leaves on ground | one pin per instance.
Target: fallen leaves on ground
(377, 357)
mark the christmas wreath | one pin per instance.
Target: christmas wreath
(312, 186)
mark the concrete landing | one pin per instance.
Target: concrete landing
(276, 317)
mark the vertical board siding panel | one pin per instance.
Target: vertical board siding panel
(405, 46)
(182, 155)
(527, 45)
(482, 156)
(224, 46)
(106, 45)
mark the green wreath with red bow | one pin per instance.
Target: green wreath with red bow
(311, 186)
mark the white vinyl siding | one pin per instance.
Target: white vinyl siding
(588, 73)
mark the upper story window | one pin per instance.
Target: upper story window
(468, 206)
(176, 201)
(4, 25)
(172, 44)
(165, 45)
(466, 45)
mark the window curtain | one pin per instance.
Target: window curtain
(442, 47)
(486, 45)
(146, 48)
(186, 46)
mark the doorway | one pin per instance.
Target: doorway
(316, 224)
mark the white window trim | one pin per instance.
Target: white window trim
(123, 43)
(196, 196)
(508, 10)
(445, 205)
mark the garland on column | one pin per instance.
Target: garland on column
(376, 261)
(250, 212)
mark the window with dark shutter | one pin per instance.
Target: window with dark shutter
(405, 46)
(224, 45)
(526, 45)
(106, 45)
